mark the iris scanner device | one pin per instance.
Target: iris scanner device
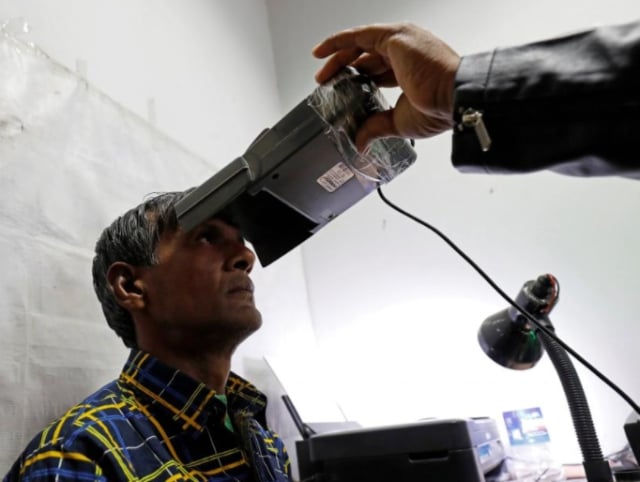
(303, 172)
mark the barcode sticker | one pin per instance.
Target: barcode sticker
(335, 177)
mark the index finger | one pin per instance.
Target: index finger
(368, 38)
(348, 45)
(339, 60)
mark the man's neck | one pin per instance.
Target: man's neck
(209, 366)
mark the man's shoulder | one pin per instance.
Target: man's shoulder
(106, 404)
(84, 430)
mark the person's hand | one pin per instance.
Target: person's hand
(403, 55)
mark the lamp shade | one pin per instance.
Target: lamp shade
(508, 338)
(508, 342)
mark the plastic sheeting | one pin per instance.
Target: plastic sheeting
(71, 161)
(343, 103)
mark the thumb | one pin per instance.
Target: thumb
(380, 124)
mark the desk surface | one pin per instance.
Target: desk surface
(565, 472)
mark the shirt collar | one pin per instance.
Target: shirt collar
(187, 401)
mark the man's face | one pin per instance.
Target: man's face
(200, 285)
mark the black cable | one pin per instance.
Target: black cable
(524, 313)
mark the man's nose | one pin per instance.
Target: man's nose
(242, 258)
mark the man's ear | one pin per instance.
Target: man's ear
(126, 285)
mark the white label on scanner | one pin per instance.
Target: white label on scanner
(335, 177)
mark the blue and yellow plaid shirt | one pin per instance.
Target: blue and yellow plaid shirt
(157, 423)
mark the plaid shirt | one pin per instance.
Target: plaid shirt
(156, 423)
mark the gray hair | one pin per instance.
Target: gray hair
(131, 238)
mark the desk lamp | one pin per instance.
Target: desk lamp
(513, 341)
(515, 337)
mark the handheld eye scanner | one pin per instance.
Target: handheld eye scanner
(303, 172)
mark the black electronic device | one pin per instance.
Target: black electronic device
(455, 450)
(303, 172)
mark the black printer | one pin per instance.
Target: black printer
(452, 450)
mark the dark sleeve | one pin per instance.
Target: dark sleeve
(570, 104)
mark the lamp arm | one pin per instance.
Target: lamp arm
(595, 466)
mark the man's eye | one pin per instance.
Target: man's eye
(209, 237)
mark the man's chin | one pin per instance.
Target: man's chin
(247, 322)
(254, 323)
(243, 330)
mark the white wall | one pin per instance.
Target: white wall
(395, 311)
(202, 71)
